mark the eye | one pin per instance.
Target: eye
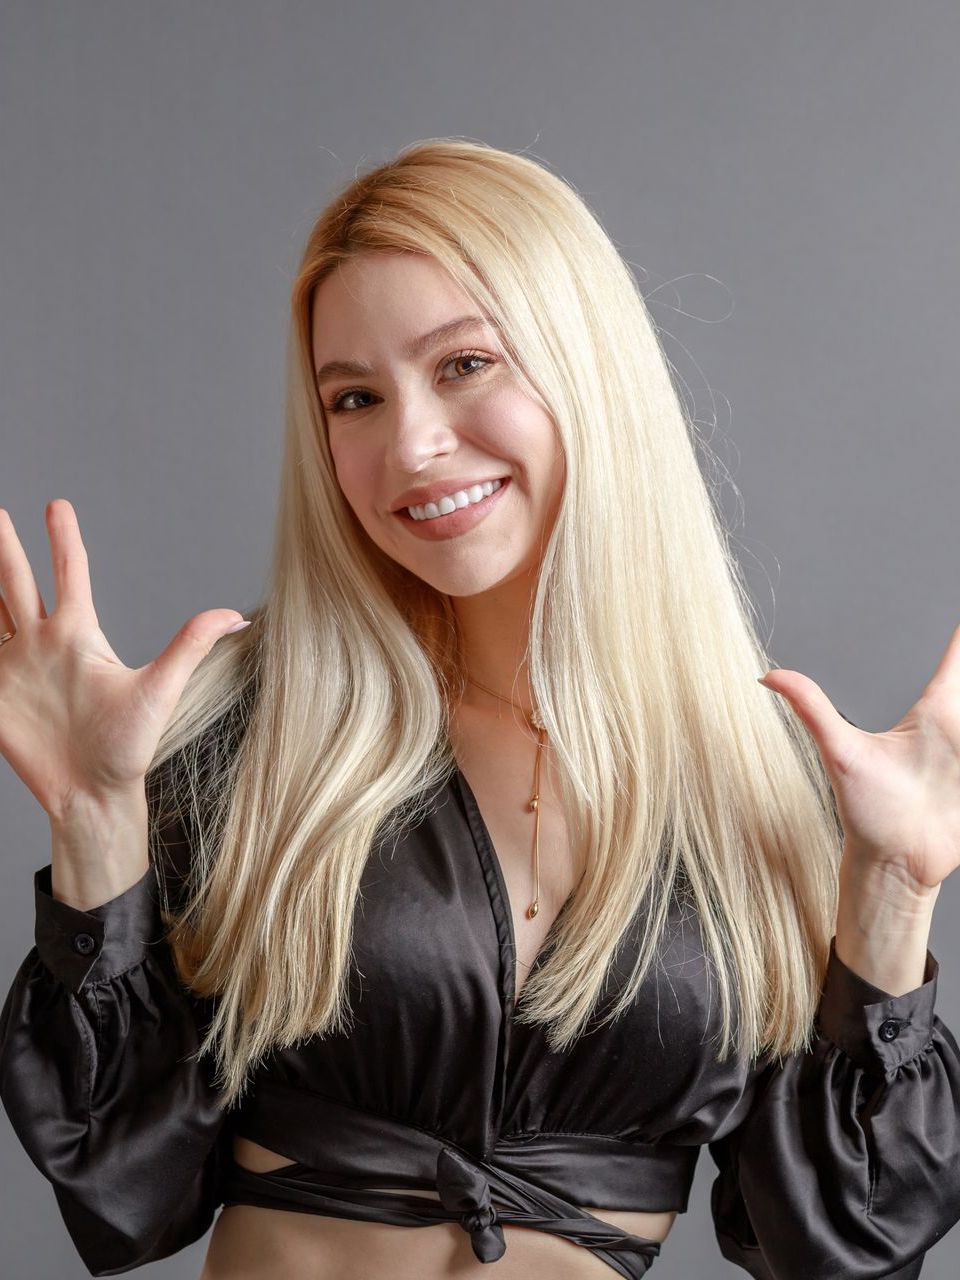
(337, 405)
(468, 355)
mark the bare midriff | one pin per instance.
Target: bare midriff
(250, 1242)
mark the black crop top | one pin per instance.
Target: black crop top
(841, 1162)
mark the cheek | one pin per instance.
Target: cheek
(509, 425)
(354, 476)
(519, 431)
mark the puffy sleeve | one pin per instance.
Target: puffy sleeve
(847, 1163)
(96, 1077)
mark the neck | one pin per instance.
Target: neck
(494, 629)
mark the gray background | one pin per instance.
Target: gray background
(783, 178)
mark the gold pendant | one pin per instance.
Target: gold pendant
(532, 910)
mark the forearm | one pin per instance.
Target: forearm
(100, 850)
(883, 925)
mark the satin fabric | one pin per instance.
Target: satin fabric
(479, 1199)
(840, 1162)
(349, 1151)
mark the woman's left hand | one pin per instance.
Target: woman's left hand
(898, 792)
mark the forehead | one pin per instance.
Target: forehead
(383, 298)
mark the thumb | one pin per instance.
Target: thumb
(165, 678)
(836, 736)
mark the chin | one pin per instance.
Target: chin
(463, 586)
(459, 587)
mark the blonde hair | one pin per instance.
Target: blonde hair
(320, 727)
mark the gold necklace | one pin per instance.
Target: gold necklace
(534, 718)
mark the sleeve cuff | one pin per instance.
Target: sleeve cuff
(81, 947)
(878, 1031)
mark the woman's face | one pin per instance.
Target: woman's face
(445, 414)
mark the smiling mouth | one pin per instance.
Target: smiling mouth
(423, 518)
(465, 516)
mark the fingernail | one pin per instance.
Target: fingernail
(238, 626)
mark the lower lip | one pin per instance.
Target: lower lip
(455, 522)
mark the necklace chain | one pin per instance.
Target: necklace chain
(534, 718)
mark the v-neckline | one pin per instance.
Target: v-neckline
(489, 857)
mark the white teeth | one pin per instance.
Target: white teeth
(450, 502)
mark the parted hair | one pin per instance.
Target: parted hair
(320, 728)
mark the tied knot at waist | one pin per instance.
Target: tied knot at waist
(464, 1190)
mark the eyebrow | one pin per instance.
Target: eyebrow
(417, 347)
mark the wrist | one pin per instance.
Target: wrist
(99, 848)
(84, 807)
(883, 925)
(886, 889)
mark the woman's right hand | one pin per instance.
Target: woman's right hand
(75, 723)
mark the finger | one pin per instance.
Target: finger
(6, 622)
(71, 569)
(948, 669)
(165, 678)
(21, 595)
(838, 739)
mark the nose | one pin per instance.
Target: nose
(419, 426)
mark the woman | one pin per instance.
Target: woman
(495, 731)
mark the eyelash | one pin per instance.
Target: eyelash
(335, 404)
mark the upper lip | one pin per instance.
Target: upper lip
(431, 492)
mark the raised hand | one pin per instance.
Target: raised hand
(898, 792)
(75, 723)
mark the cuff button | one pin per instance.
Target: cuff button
(84, 943)
(889, 1030)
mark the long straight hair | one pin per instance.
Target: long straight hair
(324, 724)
